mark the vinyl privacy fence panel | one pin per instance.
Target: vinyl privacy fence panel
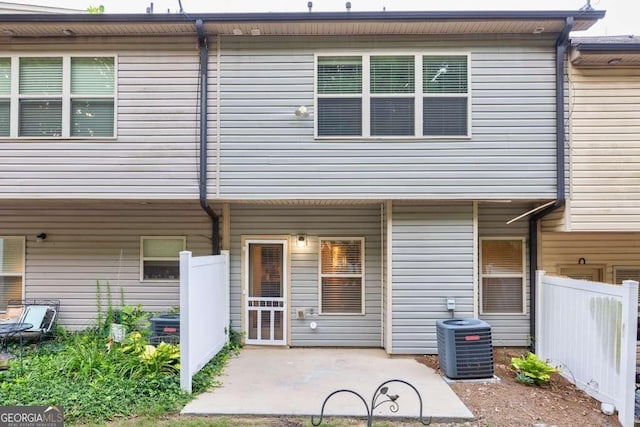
(204, 311)
(588, 329)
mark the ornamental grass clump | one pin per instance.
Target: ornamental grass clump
(531, 370)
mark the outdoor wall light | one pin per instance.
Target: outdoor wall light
(301, 241)
(301, 111)
(41, 237)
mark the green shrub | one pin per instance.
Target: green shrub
(95, 381)
(532, 370)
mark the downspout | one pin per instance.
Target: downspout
(204, 74)
(561, 49)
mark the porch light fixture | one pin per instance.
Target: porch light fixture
(301, 240)
(41, 237)
(301, 112)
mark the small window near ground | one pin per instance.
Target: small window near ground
(502, 276)
(160, 258)
(11, 269)
(342, 276)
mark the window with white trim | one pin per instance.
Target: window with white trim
(342, 275)
(160, 258)
(57, 96)
(11, 269)
(392, 96)
(502, 275)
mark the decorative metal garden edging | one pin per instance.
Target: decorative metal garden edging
(381, 391)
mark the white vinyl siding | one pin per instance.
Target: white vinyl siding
(605, 149)
(160, 258)
(265, 79)
(382, 95)
(90, 241)
(59, 96)
(11, 269)
(502, 275)
(341, 276)
(153, 156)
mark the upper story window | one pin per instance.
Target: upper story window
(57, 96)
(392, 96)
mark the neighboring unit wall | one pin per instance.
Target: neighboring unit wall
(154, 155)
(605, 149)
(314, 221)
(432, 261)
(267, 152)
(598, 249)
(90, 241)
(507, 329)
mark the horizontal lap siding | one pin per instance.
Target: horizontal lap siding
(315, 222)
(432, 261)
(605, 144)
(598, 249)
(507, 329)
(87, 242)
(268, 152)
(154, 155)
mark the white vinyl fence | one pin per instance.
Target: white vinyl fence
(588, 329)
(204, 311)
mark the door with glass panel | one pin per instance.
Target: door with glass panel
(265, 291)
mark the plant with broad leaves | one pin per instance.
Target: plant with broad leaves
(532, 370)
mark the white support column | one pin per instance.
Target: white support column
(389, 313)
(476, 260)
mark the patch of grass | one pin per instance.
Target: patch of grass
(95, 382)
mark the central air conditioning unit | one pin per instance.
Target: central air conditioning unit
(464, 348)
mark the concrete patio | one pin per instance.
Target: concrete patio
(295, 382)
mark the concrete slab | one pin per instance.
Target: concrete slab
(295, 382)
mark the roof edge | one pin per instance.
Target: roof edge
(310, 16)
(607, 47)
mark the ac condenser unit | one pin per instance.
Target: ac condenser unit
(464, 348)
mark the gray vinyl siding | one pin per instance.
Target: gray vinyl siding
(154, 155)
(269, 153)
(90, 241)
(507, 329)
(315, 222)
(432, 261)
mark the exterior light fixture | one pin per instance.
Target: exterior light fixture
(41, 237)
(301, 111)
(301, 240)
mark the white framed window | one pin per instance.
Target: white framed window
(57, 96)
(392, 95)
(341, 275)
(502, 275)
(12, 251)
(160, 258)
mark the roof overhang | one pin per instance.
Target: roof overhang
(615, 54)
(298, 24)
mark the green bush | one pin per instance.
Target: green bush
(532, 370)
(95, 380)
